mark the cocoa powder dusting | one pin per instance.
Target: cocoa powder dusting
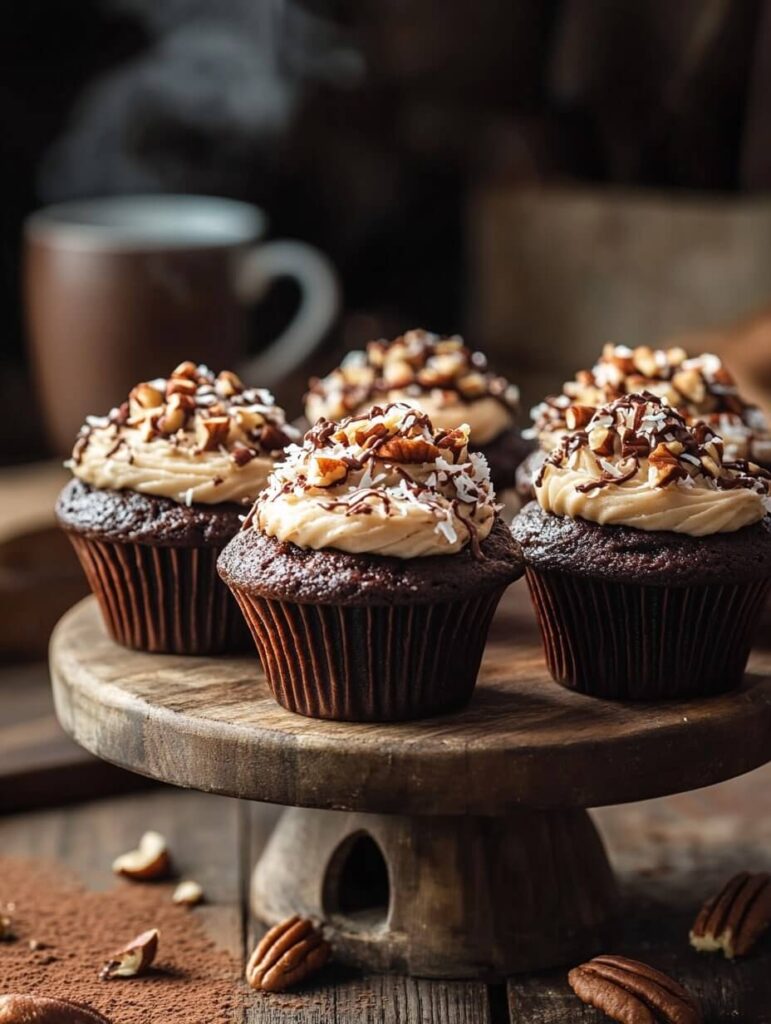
(192, 980)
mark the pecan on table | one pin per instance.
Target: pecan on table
(288, 954)
(734, 919)
(630, 992)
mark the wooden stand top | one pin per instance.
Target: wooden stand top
(211, 724)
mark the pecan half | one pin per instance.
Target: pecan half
(25, 1009)
(287, 955)
(736, 917)
(408, 450)
(633, 993)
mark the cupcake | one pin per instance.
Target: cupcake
(370, 567)
(440, 376)
(699, 389)
(648, 554)
(159, 487)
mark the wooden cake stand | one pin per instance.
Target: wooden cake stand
(458, 846)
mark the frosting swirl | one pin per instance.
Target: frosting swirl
(700, 388)
(439, 376)
(636, 462)
(385, 483)
(194, 437)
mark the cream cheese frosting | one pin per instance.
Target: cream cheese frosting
(440, 376)
(636, 462)
(700, 388)
(383, 483)
(194, 437)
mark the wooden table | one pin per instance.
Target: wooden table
(668, 853)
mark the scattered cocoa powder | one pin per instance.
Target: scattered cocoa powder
(193, 981)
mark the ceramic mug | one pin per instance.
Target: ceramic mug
(121, 289)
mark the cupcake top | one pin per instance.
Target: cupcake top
(700, 388)
(636, 462)
(384, 483)
(440, 376)
(194, 437)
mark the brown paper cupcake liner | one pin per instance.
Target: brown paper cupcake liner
(162, 599)
(634, 642)
(370, 664)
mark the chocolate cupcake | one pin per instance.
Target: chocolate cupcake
(370, 567)
(700, 388)
(648, 555)
(441, 377)
(160, 486)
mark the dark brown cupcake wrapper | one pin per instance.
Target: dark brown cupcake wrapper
(370, 664)
(634, 642)
(162, 599)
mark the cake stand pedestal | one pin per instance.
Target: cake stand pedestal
(458, 846)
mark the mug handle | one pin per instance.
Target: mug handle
(319, 303)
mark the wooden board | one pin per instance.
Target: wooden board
(211, 724)
(40, 766)
(40, 577)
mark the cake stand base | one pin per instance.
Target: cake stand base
(445, 897)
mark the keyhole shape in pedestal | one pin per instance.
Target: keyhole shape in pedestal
(356, 883)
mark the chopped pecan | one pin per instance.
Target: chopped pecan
(211, 432)
(453, 441)
(181, 386)
(287, 955)
(228, 384)
(324, 471)
(134, 959)
(145, 396)
(365, 436)
(408, 450)
(690, 384)
(398, 374)
(645, 361)
(187, 370)
(577, 416)
(472, 385)
(633, 993)
(175, 415)
(736, 917)
(667, 467)
(618, 357)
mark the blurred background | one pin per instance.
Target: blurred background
(541, 175)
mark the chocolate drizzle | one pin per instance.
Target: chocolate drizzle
(639, 428)
(391, 457)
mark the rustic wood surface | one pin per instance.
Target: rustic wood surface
(40, 577)
(211, 724)
(40, 766)
(669, 853)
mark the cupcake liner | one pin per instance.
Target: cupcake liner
(370, 664)
(162, 599)
(635, 642)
